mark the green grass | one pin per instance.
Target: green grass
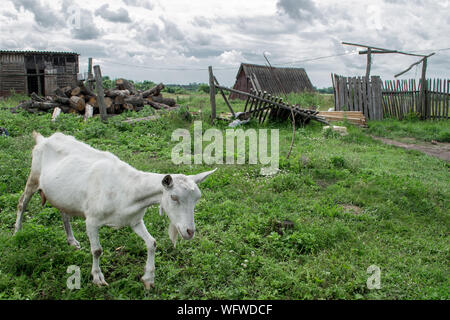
(240, 251)
(427, 130)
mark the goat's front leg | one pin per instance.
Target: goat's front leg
(30, 188)
(149, 276)
(70, 238)
(96, 250)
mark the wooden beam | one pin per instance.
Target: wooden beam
(38, 77)
(100, 93)
(415, 63)
(225, 98)
(212, 93)
(377, 51)
(383, 49)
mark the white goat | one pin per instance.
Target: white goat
(82, 181)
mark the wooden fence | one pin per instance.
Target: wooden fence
(358, 94)
(404, 97)
(395, 98)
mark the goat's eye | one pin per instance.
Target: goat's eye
(175, 198)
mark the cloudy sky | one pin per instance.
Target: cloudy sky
(174, 41)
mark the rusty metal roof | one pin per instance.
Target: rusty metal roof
(292, 79)
(26, 52)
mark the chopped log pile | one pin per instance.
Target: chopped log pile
(80, 99)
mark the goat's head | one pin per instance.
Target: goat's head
(180, 194)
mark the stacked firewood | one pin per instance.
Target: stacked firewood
(80, 99)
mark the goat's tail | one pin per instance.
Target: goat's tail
(38, 137)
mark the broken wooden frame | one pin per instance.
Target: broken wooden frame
(262, 106)
(424, 106)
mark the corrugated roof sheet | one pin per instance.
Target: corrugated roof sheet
(292, 79)
(36, 52)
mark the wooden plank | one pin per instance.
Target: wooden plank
(432, 97)
(411, 95)
(350, 94)
(441, 98)
(396, 102)
(334, 89)
(254, 100)
(380, 98)
(402, 98)
(415, 96)
(358, 88)
(268, 111)
(212, 93)
(377, 96)
(224, 97)
(246, 103)
(370, 99)
(364, 96)
(100, 92)
(341, 93)
(447, 99)
(267, 96)
(38, 77)
(345, 91)
(389, 98)
(438, 97)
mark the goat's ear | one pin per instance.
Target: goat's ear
(167, 181)
(200, 177)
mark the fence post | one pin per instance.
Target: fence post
(212, 94)
(90, 76)
(100, 93)
(423, 91)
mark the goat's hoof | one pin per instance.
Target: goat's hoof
(99, 280)
(100, 283)
(74, 243)
(148, 284)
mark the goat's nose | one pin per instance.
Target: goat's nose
(190, 232)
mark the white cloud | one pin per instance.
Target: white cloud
(191, 35)
(232, 57)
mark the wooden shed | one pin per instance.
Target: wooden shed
(36, 71)
(273, 81)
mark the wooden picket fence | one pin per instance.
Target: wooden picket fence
(402, 98)
(393, 98)
(358, 94)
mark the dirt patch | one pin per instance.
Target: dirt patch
(440, 150)
(350, 208)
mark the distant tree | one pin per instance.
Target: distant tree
(325, 90)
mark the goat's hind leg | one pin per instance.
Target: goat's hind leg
(70, 238)
(31, 187)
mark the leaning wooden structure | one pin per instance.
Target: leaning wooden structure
(261, 105)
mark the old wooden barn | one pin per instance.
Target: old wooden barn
(272, 80)
(36, 71)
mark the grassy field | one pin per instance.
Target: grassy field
(421, 130)
(354, 202)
